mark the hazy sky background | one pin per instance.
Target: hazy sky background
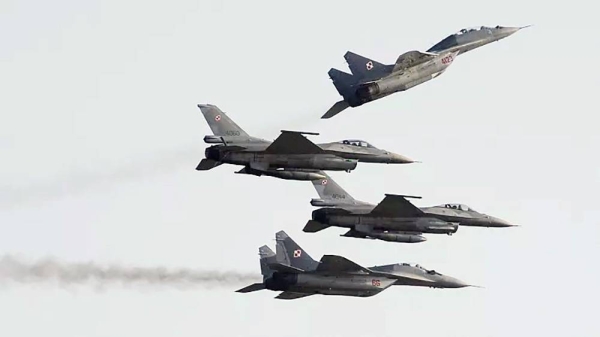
(100, 135)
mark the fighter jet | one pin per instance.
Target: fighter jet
(291, 156)
(395, 219)
(371, 80)
(470, 38)
(292, 271)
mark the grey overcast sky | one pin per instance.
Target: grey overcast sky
(100, 135)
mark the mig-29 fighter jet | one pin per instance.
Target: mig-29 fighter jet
(371, 80)
(470, 38)
(292, 271)
(291, 156)
(394, 219)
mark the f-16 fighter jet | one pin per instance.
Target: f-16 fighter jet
(292, 271)
(290, 156)
(394, 219)
(471, 38)
(371, 80)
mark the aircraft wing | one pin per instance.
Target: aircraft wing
(334, 263)
(412, 58)
(394, 205)
(293, 142)
(290, 295)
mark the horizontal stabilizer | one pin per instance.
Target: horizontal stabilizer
(290, 142)
(334, 263)
(207, 164)
(290, 295)
(396, 206)
(313, 226)
(251, 288)
(284, 268)
(336, 109)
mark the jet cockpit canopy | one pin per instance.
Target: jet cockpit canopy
(430, 272)
(472, 29)
(460, 207)
(356, 142)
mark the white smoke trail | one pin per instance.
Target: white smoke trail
(77, 182)
(185, 157)
(48, 270)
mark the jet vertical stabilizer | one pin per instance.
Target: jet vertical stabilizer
(290, 253)
(219, 122)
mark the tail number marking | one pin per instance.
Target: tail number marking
(376, 283)
(447, 59)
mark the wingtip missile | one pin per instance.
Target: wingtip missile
(403, 196)
(301, 132)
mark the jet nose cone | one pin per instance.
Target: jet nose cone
(451, 282)
(508, 31)
(497, 222)
(400, 159)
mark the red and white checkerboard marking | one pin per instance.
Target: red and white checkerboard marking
(217, 118)
(297, 253)
(369, 65)
(324, 182)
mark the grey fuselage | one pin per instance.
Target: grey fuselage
(360, 217)
(360, 284)
(338, 156)
(465, 216)
(469, 39)
(251, 152)
(400, 80)
(421, 277)
(326, 162)
(452, 213)
(363, 152)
